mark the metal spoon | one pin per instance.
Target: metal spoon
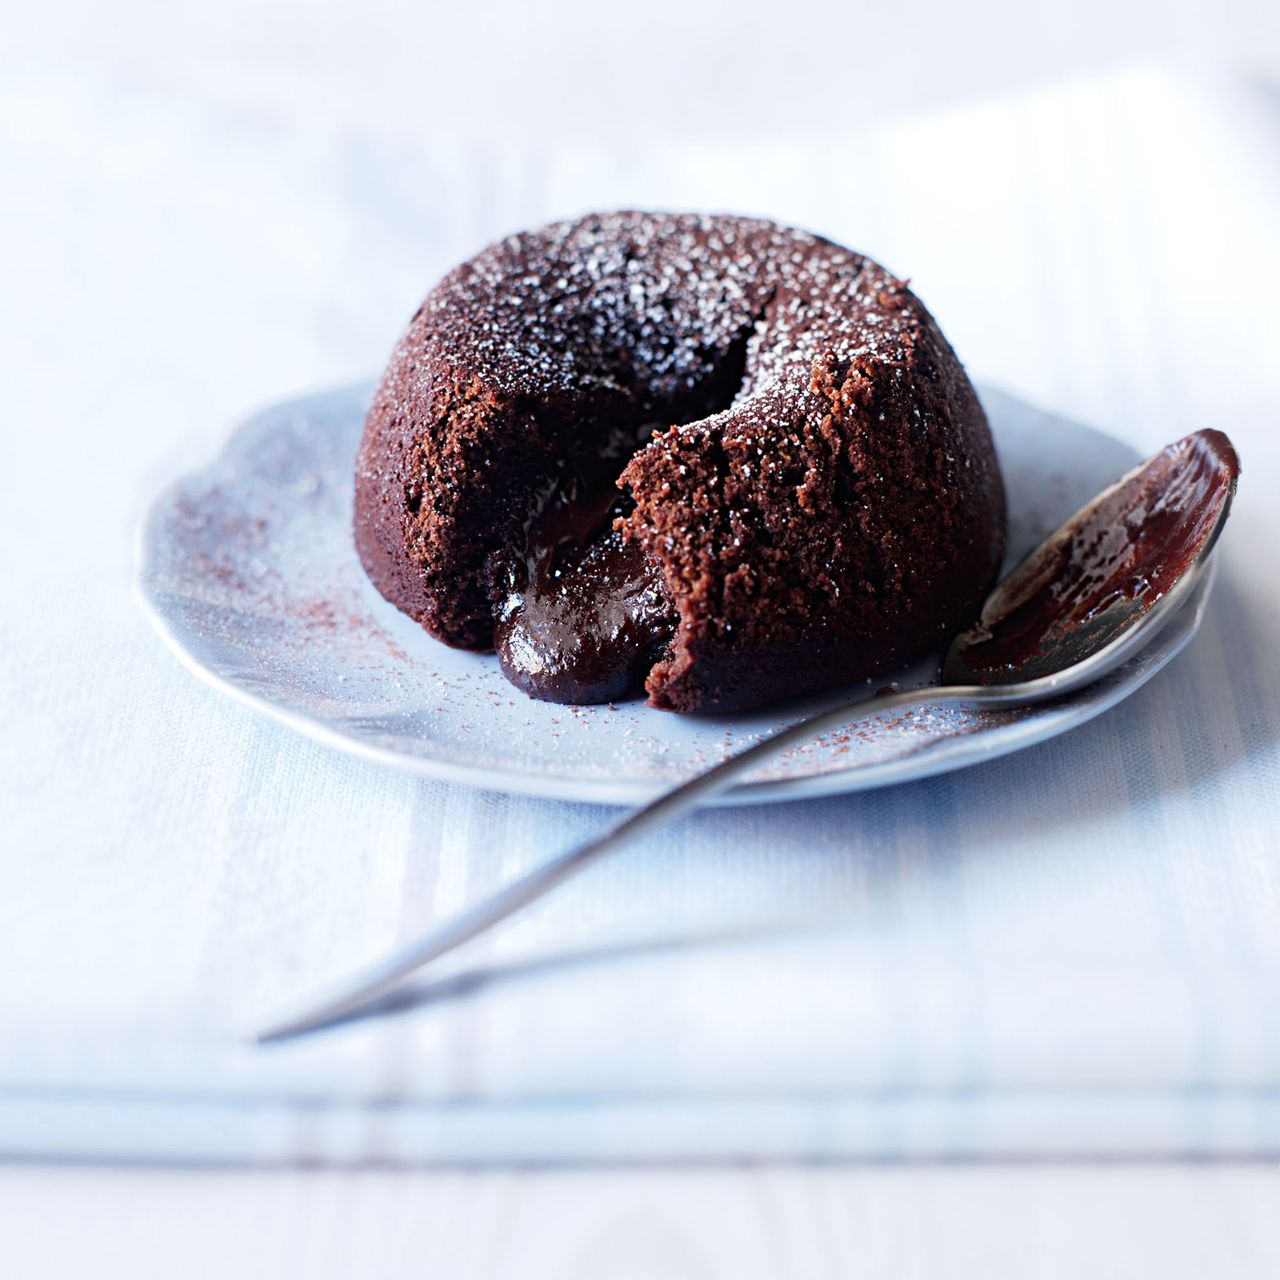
(1089, 597)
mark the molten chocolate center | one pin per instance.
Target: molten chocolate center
(593, 616)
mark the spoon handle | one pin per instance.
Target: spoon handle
(375, 980)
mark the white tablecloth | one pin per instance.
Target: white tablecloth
(1074, 950)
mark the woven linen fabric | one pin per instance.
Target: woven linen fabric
(1071, 950)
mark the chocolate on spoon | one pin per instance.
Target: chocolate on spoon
(1088, 598)
(1103, 570)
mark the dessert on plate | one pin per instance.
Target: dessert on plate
(712, 457)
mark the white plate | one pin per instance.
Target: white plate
(248, 571)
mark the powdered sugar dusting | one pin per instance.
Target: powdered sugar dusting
(644, 303)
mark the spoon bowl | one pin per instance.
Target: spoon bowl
(1117, 565)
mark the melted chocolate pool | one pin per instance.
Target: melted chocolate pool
(1122, 552)
(593, 617)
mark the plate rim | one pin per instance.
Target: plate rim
(962, 751)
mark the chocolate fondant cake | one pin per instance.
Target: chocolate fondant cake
(720, 458)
